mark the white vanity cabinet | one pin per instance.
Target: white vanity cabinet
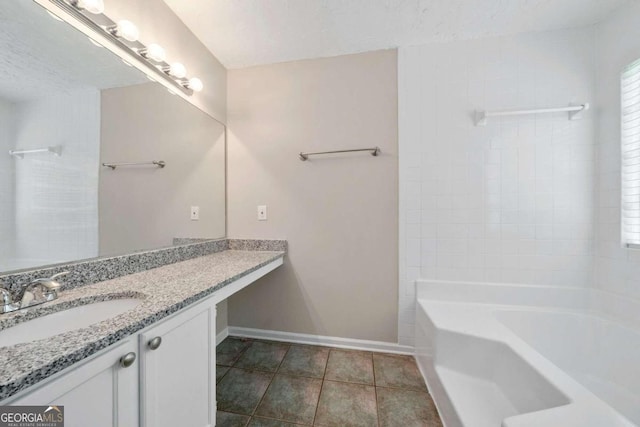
(177, 370)
(100, 392)
(164, 376)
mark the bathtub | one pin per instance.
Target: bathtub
(516, 356)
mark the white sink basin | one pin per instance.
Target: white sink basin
(65, 321)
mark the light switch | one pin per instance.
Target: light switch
(262, 213)
(195, 213)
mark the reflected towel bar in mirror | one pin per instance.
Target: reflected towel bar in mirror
(159, 163)
(374, 152)
(57, 150)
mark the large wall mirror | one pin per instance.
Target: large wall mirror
(66, 107)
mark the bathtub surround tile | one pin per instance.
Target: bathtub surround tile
(263, 356)
(397, 407)
(230, 350)
(240, 391)
(227, 419)
(220, 372)
(350, 366)
(305, 361)
(343, 404)
(397, 371)
(291, 399)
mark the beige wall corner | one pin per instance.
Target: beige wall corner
(338, 213)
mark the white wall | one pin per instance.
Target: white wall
(339, 214)
(618, 44)
(509, 202)
(56, 198)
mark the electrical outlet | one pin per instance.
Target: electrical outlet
(195, 213)
(262, 213)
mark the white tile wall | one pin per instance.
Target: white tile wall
(7, 208)
(52, 202)
(617, 268)
(509, 202)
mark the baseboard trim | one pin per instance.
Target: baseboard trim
(221, 336)
(354, 344)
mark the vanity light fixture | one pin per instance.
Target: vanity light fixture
(154, 51)
(122, 38)
(125, 29)
(93, 6)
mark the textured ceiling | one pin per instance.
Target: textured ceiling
(242, 33)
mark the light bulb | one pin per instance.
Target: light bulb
(92, 6)
(154, 52)
(178, 70)
(125, 29)
(195, 84)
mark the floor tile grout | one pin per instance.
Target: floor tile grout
(323, 379)
(375, 389)
(271, 381)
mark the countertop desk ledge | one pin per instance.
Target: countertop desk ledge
(163, 290)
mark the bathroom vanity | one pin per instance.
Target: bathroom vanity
(152, 365)
(102, 163)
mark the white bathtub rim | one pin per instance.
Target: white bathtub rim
(484, 325)
(606, 304)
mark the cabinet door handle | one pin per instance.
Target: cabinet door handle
(127, 360)
(154, 343)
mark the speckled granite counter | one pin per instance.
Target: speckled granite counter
(164, 290)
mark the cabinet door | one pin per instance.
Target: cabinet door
(98, 393)
(178, 375)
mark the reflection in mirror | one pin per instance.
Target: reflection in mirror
(66, 106)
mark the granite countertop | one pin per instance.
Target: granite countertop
(163, 290)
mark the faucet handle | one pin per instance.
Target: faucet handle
(62, 273)
(7, 304)
(50, 282)
(5, 296)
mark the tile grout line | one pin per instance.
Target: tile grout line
(273, 376)
(375, 390)
(324, 374)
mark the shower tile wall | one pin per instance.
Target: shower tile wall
(618, 44)
(509, 202)
(48, 205)
(7, 184)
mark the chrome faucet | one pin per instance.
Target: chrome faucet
(41, 290)
(6, 301)
(37, 292)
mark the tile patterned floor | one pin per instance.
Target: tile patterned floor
(268, 383)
